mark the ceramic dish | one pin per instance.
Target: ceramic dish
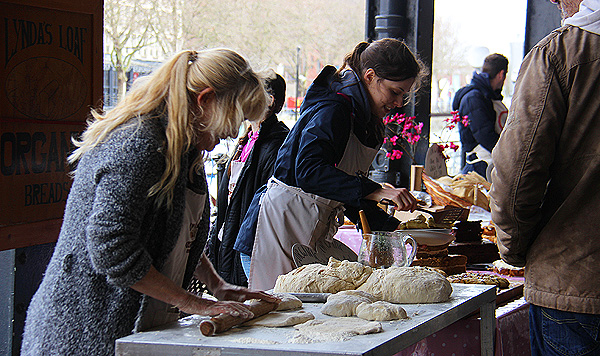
(431, 237)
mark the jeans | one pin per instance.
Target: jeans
(245, 264)
(558, 333)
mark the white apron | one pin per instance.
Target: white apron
(288, 215)
(156, 312)
(482, 153)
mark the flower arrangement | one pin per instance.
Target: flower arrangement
(401, 131)
(400, 128)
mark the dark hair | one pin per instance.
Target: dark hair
(390, 58)
(493, 64)
(275, 86)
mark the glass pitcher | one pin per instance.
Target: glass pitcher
(383, 249)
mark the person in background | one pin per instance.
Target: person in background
(249, 168)
(481, 103)
(128, 233)
(320, 172)
(545, 192)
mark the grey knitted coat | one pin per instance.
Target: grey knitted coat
(111, 234)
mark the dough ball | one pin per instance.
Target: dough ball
(336, 276)
(409, 285)
(344, 303)
(353, 273)
(281, 319)
(380, 311)
(288, 301)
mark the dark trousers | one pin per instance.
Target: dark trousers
(558, 333)
(479, 167)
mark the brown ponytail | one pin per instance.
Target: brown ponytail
(352, 59)
(390, 58)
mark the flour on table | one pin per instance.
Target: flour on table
(252, 340)
(408, 285)
(344, 303)
(380, 311)
(333, 330)
(281, 319)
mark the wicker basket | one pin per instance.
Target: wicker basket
(440, 196)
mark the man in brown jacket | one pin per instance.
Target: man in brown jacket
(546, 184)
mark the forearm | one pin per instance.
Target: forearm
(206, 273)
(158, 286)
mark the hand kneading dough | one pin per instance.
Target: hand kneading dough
(380, 311)
(277, 319)
(344, 303)
(317, 278)
(288, 301)
(408, 285)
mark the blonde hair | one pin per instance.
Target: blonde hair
(239, 94)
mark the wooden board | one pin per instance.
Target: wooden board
(505, 295)
(50, 76)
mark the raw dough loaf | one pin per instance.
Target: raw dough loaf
(288, 301)
(380, 311)
(344, 303)
(281, 319)
(336, 276)
(408, 285)
(333, 330)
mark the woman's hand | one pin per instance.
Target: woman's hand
(194, 304)
(222, 290)
(226, 291)
(401, 197)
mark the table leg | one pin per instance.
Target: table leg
(487, 328)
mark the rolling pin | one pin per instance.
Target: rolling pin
(364, 223)
(223, 322)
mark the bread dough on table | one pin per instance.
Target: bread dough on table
(281, 319)
(344, 303)
(334, 277)
(333, 330)
(380, 311)
(288, 301)
(409, 285)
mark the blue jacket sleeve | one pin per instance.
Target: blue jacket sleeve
(322, 144)
(481, 120)
(245, 239)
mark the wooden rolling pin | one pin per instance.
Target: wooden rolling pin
(364, 223)
(224, 322)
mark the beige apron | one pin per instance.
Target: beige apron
(156, 312)
(501, 115)
(289, 215)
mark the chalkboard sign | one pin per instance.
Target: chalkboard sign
(435, 162)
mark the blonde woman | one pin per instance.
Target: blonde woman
(128, 244)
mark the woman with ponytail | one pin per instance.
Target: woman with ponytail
(320, 172)
(128, 245)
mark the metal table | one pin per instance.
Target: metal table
(184, 338)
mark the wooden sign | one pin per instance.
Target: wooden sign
(51, 75)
